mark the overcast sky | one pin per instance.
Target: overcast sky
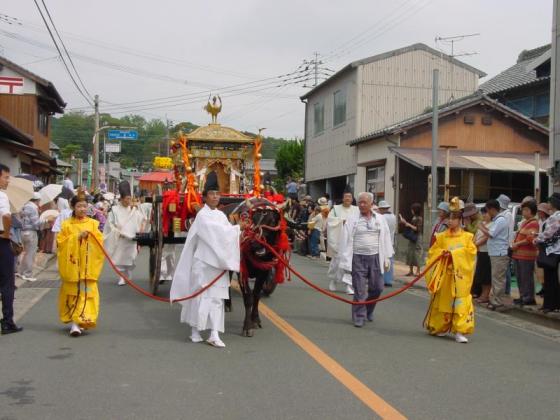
(138, 50)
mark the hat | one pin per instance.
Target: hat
(211, 183)
(470, 210)
(545, 208)
(124, 189)
(36, 196)
(444, 205)
(308, 198)
(322, 201)
(504, 201)
(384, 205)
(456, 205)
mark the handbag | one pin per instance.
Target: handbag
(549, 261)
(410, 234)
(17, 248)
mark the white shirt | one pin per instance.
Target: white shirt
(4, 207)
(366, 236)
(391, 220)
(68, 184)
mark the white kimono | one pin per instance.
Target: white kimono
(120, 230)
(212, 246)
(346, 244)
(335, 222)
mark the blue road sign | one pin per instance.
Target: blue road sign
(123, 135)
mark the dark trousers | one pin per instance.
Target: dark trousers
(367, 282)
(7, 280)
(551, 298)
(525, 271)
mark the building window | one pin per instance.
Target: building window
(339, 107)
(318, 118)
(532, 106)
(542, 105)
(43, 121)
(375, 181)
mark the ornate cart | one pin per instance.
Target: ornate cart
(211, 148)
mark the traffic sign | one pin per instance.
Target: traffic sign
(112, 147)
(123, 135)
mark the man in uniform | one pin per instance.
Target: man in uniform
(212, 247)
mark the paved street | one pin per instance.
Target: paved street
(138, 363)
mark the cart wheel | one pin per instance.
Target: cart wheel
(156, 249)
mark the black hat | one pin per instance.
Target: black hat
(347, 189)
(211, 183)
(124, 189)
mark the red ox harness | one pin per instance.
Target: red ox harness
(254, 231)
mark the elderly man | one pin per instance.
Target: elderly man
(391, 219)
(335, 222)
(365, 249)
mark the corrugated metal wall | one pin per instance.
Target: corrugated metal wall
(400, 87)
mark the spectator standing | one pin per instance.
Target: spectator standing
(315, 227)
(498, 245)
(68, 183)
(544, 210)
(549, 238)
(505, 201)
(524, 253)
(483, 272)
(385, 209)
(7, 259)
(442, 222)
(30, 239)
(414, 250)
(291, 189)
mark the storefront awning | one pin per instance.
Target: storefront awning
(484, 161)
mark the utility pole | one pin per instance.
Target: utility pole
(316, 63)
(554, 123)
(435, 121)
(95, 157)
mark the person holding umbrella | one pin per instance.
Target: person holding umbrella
(7, 258)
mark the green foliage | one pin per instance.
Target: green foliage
(73, 133)
(290, 159)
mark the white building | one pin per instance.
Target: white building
(368, 95)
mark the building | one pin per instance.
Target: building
(27, 103)
(525, 86)
(494, 150)
(368, 95)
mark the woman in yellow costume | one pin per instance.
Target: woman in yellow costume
(80, 262)
(451, 310)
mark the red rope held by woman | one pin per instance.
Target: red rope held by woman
(148, 294)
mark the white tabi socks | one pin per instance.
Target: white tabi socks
(195, 336)
(214, 339)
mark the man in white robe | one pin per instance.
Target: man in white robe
(123, 223)
(212, 246)
(335, 222)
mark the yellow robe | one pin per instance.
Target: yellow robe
(449, 283)
(80, 263)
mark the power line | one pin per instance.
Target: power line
(65, 49)
(61, 56)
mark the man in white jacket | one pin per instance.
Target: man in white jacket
(365, 250)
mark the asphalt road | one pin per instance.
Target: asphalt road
(139, 364)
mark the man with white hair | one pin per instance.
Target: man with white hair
(365, 250)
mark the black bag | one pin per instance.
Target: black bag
(410, 234)
(547, 261)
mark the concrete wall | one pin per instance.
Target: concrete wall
(7, 158)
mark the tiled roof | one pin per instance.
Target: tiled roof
(521, 73)
(466, 101)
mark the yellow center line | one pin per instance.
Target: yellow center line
(354, 385)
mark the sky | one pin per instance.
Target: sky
(163, 59)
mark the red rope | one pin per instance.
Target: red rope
(148, 294)
(334, 296)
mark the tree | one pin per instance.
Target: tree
(70, 151)
(290, 159)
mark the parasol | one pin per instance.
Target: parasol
(37, 183)
(49, 193)
(19, 192)
(109, 196)
(49, 214)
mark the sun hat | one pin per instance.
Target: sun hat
(384, 205)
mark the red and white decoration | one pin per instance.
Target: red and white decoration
(13, 85)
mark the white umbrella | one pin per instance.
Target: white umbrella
(49, 193)
(109, 196)
(19, 192)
